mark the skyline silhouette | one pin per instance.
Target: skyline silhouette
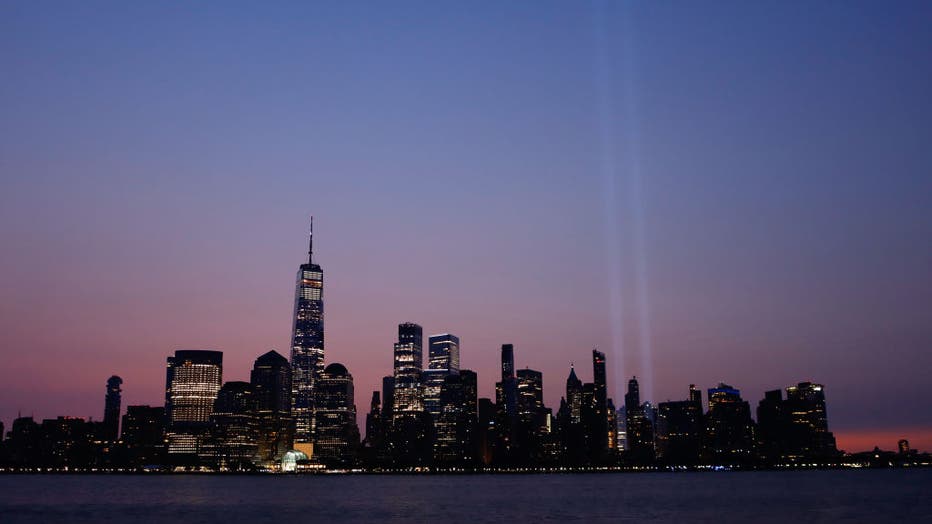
(728, 193)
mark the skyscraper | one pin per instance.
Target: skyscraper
(233, 429)
(337, 432)
(599, 429)
(111, 425)
(443, 361)
(574, 396)
(509, 381)
(408, 393)
(639, 430)
(192, 381)
(729, 433)
(144, 435)
(808, 432)
(271, 384)
(307, 346)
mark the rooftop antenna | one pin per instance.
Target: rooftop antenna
(310, 246)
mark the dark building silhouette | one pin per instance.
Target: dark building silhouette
(232, 445)
(679, 431)
(337, 432)
(506, 402)
(144, 435)
(795, 429)
(374, 444)
(574, 396)
(809, 435)
(772, 427)
(533, 419)
(111, 423)
(193, 379)
(388, 400)
(456, 426)
(487, 432)
(272, 389)
(639, 427)
(729, 430)
(23, 444)
(307, 347)
(572, 432)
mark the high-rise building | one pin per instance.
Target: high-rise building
(772, 427)
(111, 425)
(639, 430)
(144, 435)
(408, 391)
(307, 347)
(443, 361)
(509, 381)
(808, 431)
(455, 427)
(271, 386)
(599, 429)
(232, 445)
(530, 384)
(337, 432)
(574, 396)
(192, 381)
(729, 432)
(679, 431)
(388, 400)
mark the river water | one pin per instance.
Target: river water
(799, 496)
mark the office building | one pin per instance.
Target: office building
(337, 432)
(307, 347)
(192, 381)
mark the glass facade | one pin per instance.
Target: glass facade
(193, 379)
(337, 433)
(307, 347)
(408, 395)
(444, 360)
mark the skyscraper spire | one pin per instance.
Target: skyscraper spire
(310, 246)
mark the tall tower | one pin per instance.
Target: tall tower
(112, 408)
(444, 360)
(600, 401)
(408, 396)
(271, 384)
(509, 381)
(307, 346)
(192, 381)
(337, 433)
(574, 396)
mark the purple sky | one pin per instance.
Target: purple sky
(734, 192)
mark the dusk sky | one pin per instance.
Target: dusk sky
(706, 192)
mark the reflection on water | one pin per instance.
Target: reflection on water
(809, 496)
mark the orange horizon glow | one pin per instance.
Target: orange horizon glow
(854, 441)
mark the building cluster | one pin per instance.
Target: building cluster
(299, 414)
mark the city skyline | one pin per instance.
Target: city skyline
(688, 190)
(414, 387)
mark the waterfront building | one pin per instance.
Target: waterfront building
(679, 432)
(307, 347)
(443, 361)
(111, 423)
(144, 435)
(337, 432)
(639, 428)
(729, 430)
(408, 393)
(192, 381)
(232, 445)
(272, 388)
